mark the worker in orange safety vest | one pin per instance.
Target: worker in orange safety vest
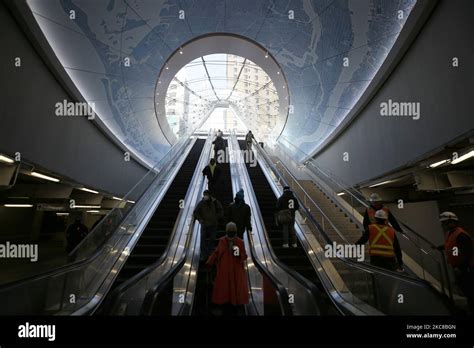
(376, 203)
(384, 249)
(459, 249)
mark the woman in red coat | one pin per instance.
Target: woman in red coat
(230, 286)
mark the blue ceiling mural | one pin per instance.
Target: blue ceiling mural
(311, 48)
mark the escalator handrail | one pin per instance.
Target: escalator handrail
(280, 289)
(282, 178)
(181, 146)
(357, 195)
(364, 267)
(441, 263)
(282, 293)
(329, 240)
(364, 202)
(329, 175)
(307, 284)
(185, 305)
(118, 292)
(370, 269)
(70, 266)
(153, 292)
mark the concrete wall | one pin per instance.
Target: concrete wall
(376, 144)
(71, 146)
(428, 225)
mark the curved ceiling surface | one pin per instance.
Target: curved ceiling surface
(310, 40)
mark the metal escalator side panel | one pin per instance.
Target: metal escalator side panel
(185, 281)
(300, 297)
(140, 234)
(378, 278)
(267, 295)
(134, 298)
(254, 277)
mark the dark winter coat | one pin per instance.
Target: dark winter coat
(208, 212)
(283, 203)
(239, 213)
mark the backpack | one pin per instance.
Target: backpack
(284, 217)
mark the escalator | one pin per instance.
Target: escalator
(294, 258)
(154, 239)
(368, 290)
(204, 282)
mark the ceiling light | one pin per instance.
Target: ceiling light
(180, 51)
(266, 55)
(382, 183)
(341, 193)
(62, 214)
(6, 159)
(436, 164)
(88, 190)
(87, 207)
(18, 205)
(463, 157)
(133, 202)
(93, 211)
(117, 199)
(45, 177)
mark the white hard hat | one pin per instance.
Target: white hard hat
(375, 198)
(381, 214)
(447, 215)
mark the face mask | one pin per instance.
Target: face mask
(231, 234)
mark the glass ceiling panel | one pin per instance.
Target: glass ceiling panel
(222, 82)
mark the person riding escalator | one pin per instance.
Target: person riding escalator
(213, 173)
(208, 212)
(286, 206)
(459, 249)
(230, 292)
(239, 212)
(384, 248)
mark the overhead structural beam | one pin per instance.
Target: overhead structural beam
(209, 78)
(237, 81)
